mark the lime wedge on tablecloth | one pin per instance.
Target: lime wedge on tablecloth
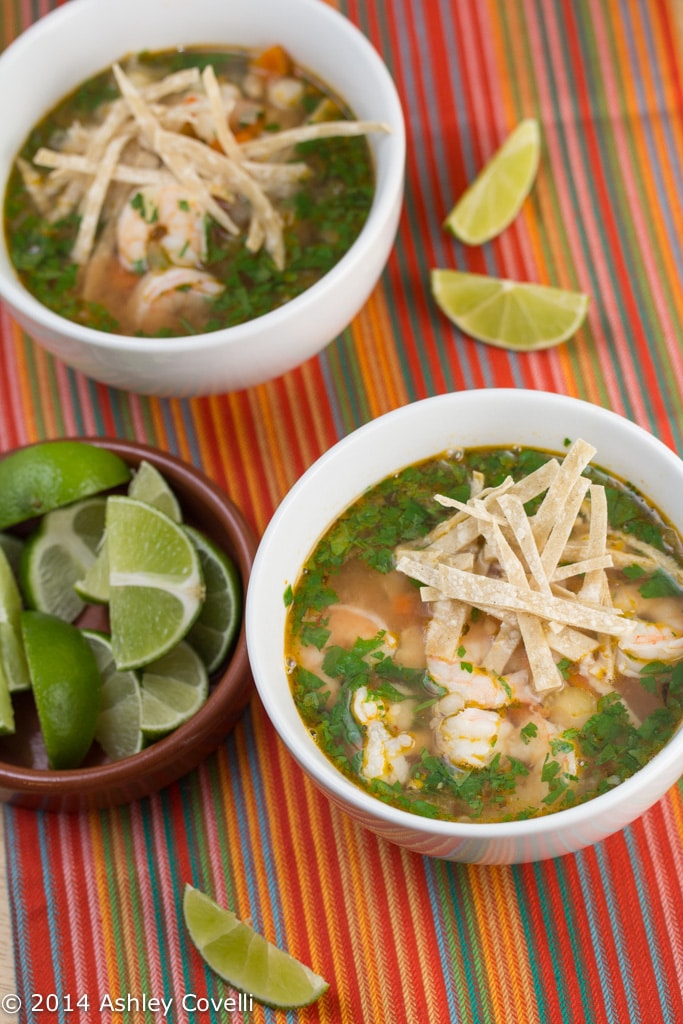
(117, 729)
(149, 485)
(518, 316)
(155, 579)
(245, 959)
(173, 689)
(58, 553)
(13, 664)
(214, 631)
(66, 686)
(495, 197)
(45, 476)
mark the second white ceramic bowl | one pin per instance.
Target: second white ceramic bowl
(85, 36)
(387, 444)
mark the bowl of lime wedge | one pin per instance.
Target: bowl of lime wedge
(122, 654)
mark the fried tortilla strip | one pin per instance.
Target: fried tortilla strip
(94, 200)
(443, 635)
(563, 525)
(571, 468)
(226, 139)
(518, 521)
(485, 591)
(544, 671)
(265, 146)
(594, 583)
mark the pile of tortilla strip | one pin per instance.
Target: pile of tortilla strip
(535, 556)
(212, 165)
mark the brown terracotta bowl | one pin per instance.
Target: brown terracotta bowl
(26, 780)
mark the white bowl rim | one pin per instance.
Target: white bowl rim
(381, 212)
(324, 772)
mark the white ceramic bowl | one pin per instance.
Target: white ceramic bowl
(85, 36)
(381, 447)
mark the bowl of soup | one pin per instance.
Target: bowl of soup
(200, 197)
(126, 760)
(474, 607)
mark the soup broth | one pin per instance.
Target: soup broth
(491, 635)
(185, 192)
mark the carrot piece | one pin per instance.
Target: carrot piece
(275, 60)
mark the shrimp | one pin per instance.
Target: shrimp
(645, 642)
(468, 737)
(384, 753)
(160, 297)
(167, 213)
(347, 623)
(481, 687)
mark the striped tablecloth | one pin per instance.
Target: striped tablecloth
(592, 937)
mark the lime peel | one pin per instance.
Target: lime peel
(51, 474)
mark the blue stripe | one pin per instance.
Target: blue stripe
(594, 924)
(610, 887)
(653, 946)
(445, 958)
(22, 958)
(52, 925)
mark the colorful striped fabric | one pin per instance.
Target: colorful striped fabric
(591, 938)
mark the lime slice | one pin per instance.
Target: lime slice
(7, 725)
(45, 476)
(149, 485)
(173, 689)
(155, 579)
(58, 553)
(522, 317)
(118, 723)
(12, 656)
(495, 197)
(13, 668)
(12, 546)
(213, 633)
(245, 959)
(93, 588)
(66, 686)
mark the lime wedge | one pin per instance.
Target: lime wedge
(495, 197)
(245, 959)
(12, 655)
(93, 588)
(149, 485)
(45, 476)
(13, 667)
(12, 546)
(58, 553)
(523, 317)
(173, 689)
(7, 725)
(66, 686)
(155, 580)
(117, 729)
(213, 633)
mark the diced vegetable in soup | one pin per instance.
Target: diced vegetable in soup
(491, 635)
(184, 192)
